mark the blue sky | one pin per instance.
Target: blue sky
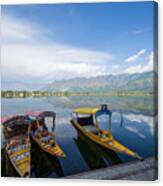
(43, 43)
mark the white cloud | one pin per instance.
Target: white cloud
(136, 131)
(15, 30)
(135, 56)
(141, 68)
(148, 121)
(115, 66)
(133, 69)
(27, 54)
(140, 31)
(51, 60)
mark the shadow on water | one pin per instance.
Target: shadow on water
(95, 156)
(44, 165)
(134, 124)
(7, 170)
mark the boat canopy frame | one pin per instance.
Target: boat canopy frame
(41, 115)
(11, 122)
(96, 112)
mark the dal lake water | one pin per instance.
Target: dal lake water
(132, 125)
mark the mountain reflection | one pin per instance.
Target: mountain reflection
(115, 103)
(134, 124)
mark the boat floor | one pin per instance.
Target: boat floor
(91, 128)
(106, 142)
(53, 150)
(21, 161)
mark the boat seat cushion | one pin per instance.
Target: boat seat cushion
(91, 128)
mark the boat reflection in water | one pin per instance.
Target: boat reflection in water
(44, 165)
(87, 121)
(7, 169)
(95, 156)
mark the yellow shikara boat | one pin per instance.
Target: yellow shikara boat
(16, 131)
(41, 134)
(85, 120)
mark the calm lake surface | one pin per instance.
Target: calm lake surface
(132, 125)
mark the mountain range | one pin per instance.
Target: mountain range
(107, 83)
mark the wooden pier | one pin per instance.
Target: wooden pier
(136, 170)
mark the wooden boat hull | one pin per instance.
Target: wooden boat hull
(45, 164)
(112, 145)
(54, 151)
(110, 155)
(23, 165)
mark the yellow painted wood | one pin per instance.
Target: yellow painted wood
(55, 151)
(86, 110)
(23, 165)
(107, 142)
(19, 152)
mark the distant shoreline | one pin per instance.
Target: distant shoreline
(25, 94)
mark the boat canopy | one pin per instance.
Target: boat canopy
(40, 115)
(14, 120)
(103, 112)
(94, 111)
(86, 110)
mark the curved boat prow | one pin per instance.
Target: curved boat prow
(138, 157)
(89, 125)
(118, 147)
(42, 135)
(133, 154)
